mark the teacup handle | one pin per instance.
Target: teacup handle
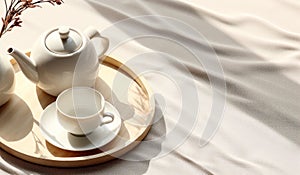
(107, 115)
(92, 32)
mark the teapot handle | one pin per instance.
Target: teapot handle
(92, 32)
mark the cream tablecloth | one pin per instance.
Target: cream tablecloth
(225, 76)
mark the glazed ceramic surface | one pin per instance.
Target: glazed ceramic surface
(58, 136)
(80, 110)
(62, 57)
(7, 80)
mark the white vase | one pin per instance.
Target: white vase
(7, 80)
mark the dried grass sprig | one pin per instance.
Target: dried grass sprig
(16, 8)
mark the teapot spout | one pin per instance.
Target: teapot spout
(26, 64)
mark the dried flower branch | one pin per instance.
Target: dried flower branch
(16, 8)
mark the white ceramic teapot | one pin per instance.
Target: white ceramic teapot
(61, 58)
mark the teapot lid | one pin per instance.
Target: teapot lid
(63, 40)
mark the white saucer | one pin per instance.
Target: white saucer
(55, 134)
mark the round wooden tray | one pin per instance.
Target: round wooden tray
(19, 119)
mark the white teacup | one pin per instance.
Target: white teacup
(80, 110)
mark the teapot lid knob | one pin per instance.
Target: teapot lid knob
(64, 32)
(63, 40)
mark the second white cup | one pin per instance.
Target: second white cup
(80, 110)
